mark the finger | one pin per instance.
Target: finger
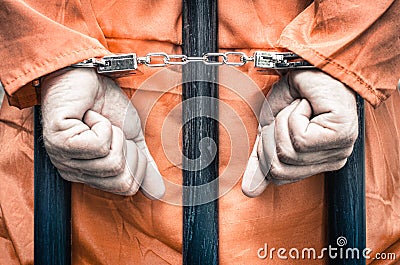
(102, 129)
(137, 164)
(120, 185)
(282, 171)
(284, 182)
(266, 115)
(127, 183)
(70, 176)
(267, 147)
(85, 141)
(316, 134)
(111, 165)
(109, 185)
(132, 127)
(254, 181)
(153, 185)
(310, 158)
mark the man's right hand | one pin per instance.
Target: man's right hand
(93, 134)
(307, 126)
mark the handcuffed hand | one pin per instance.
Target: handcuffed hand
(312, 129)
(93, 134)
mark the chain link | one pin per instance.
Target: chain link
(208, 56)
(183, 59)
(243, 59)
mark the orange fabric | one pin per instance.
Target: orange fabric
(33, 42)
(350, 41)
(111, 229)
(354, 42)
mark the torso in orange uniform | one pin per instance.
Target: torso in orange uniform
(111, 229)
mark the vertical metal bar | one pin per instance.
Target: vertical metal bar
(200, 220)
(52, 206)
(346, 203)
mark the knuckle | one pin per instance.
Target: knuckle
(277, 173)
(338, 165)
(348, 139)
(342, 163)
(277, 182)
(346, 153)
(125, 184)
(343, 154)
(68, 176)
(96, 148)
(285, 155)
(117, 166)
(273, 172)
(57, 164)
(354, 136)
(349, 135)
(133, 190)
(51, 143)
(299, 143)
(103, 149)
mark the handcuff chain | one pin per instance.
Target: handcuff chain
(210, 58)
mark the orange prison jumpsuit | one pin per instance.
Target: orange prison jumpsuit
(357, 42)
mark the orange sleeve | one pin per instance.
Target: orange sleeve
(356, 42)
(38, 37)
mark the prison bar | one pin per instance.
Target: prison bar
(52, 206)
(345, 193)
(200, 122)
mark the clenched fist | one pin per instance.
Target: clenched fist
(312, 129)
(93, 135)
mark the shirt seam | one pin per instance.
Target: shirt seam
(357, 77)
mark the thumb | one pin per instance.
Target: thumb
(153, 185)
(254, 181)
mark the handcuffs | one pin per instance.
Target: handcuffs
(126, 64)
(119, 65)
